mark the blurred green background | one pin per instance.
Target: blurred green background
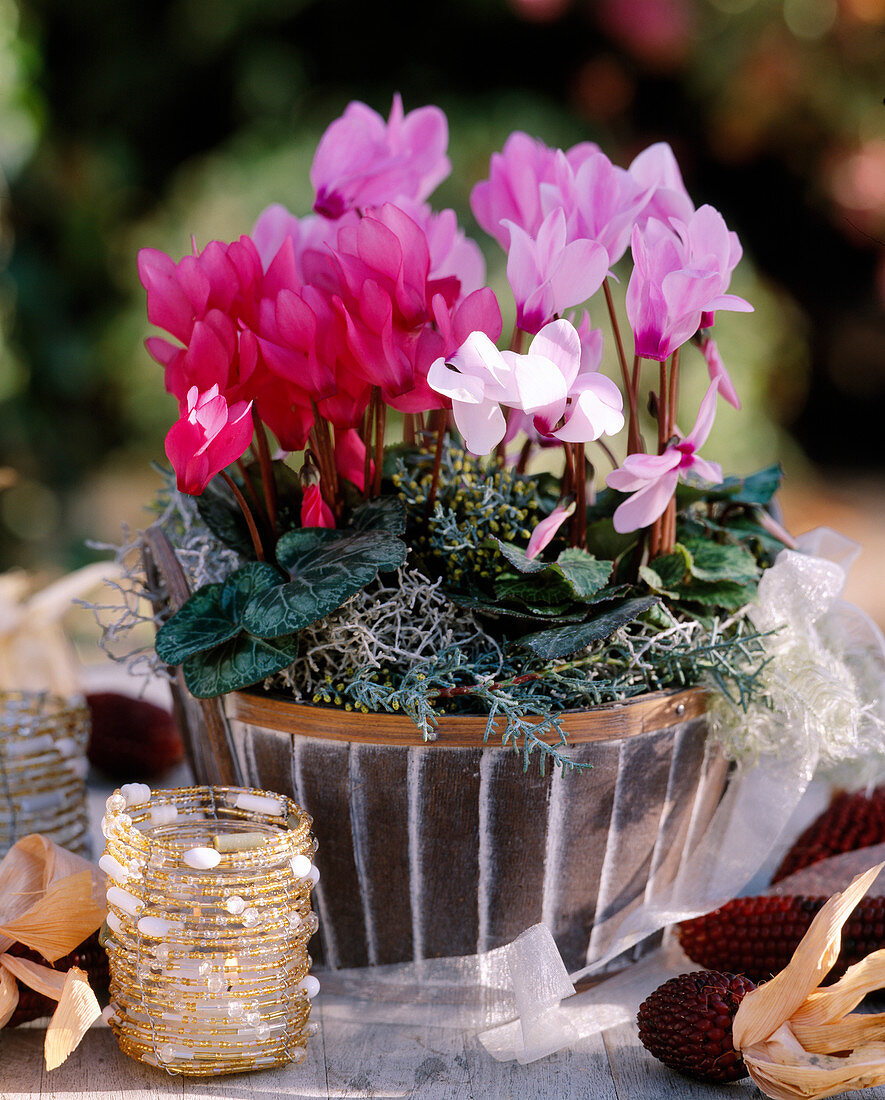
(126, 124)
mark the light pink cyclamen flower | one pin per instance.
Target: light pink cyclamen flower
(717, 369)
(545, 385)
(548, 274)
(656, 169)
(209, 436)
(601, 201)
(543, 532)
(677, 278)
(651, 479)
(362, 162)
(512, 193)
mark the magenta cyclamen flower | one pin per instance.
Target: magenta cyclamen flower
(548, 274)
(652, 479)
(314, 510)
(209, 436)
(678, 276)
(361, 161)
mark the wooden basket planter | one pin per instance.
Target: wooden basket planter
(448, 848)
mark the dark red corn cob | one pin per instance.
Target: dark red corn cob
(757, 936)
(686, 1024)
(851, 821)
(89, 956)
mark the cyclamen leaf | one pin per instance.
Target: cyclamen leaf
(325, 567)
(715, 561)
(383, 514)
(565, 640)
(236, 664)
(213, 614)
(517, 558)
(667, 572)
(725, 594)
(584, 573)
(535, 591)
(199, 624)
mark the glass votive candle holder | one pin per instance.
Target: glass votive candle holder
(208, 921)
(43, 766)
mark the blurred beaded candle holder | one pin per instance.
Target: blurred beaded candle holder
(208, 922)
(43, 741)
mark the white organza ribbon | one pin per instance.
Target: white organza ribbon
(827, 670)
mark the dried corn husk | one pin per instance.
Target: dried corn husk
(50, 900)
(800, 1041)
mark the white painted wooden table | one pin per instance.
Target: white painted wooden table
(353, 1059)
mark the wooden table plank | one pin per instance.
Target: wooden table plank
(581, 1073)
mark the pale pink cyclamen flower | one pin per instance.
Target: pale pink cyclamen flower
(651, 479)
(208, 437)
(677, 278)
(512, 193)
(601, 201)
(314, 510)
(548, 274)
(716, 368)
(543, 532)
(361, 161)
(656, 169)
(545, 385)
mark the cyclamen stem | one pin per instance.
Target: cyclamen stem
(441, 419)
(668, 520)
(630, 384)
(580, 520)
(267, 476)
(325, 459)
(380, 423)
(247, 514)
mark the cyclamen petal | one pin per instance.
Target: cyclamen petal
(543, 532)
(314, 510)
(594, 411)
(207, 438)
(362, 162)
(646, 505)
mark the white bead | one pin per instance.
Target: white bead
(114, 923)
(301, 866)
(162, 815)
(109, 1013)
(235, 905)
(313, 875)
(135, 793)
(66, 746)
(202, 859)
(112, 866)
(310, 985)
(259, 804)
(156, 927)
(124, 900)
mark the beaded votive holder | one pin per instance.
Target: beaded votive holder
(43, 742)
(208, 921)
